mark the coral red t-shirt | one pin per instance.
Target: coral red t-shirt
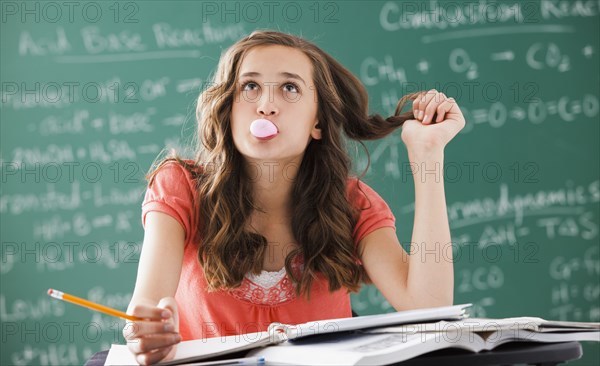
(252, 306)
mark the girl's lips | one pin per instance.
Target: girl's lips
(266, 138)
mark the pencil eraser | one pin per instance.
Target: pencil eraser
(263, 128)
(50, 291)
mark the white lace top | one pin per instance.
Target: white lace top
(266, 288)
(267, 279)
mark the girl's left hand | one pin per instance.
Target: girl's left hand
(425, 135)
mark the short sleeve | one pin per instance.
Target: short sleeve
(374, 213)
(171, 192)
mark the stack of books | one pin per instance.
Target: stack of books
(370, 340)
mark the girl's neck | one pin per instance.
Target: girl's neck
(272, 184)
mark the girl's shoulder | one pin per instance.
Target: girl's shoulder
(176, 171)
(357, 189)
(362, 197)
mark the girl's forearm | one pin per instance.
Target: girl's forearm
(136, 300)
(431, 276)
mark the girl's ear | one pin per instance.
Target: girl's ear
(316, 131)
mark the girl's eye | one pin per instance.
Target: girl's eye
(291, 87)
(245, 85)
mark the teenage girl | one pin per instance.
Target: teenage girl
(266, 224)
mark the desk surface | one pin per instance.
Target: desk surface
(508, 354)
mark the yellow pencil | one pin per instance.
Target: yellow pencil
(92, 305)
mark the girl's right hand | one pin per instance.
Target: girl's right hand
(152, 339)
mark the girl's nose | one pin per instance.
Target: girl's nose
(267, 111)
(266, 105)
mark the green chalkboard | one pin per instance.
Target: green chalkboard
(93, 91)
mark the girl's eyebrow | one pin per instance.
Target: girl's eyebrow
(289, 75)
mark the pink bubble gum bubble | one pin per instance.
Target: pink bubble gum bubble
(263, 128)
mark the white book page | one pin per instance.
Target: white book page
(195, 349)
(559, 337)
(469, 324)
(490, 325)
(368, 321)
(494, 339)
(119, 355)
(361, 349)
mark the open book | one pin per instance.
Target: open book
(483, 325)
(387, 345)
(374, 339)
(221, 347)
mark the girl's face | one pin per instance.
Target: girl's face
(275, 83)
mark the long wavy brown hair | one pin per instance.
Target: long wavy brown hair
(323, 218)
